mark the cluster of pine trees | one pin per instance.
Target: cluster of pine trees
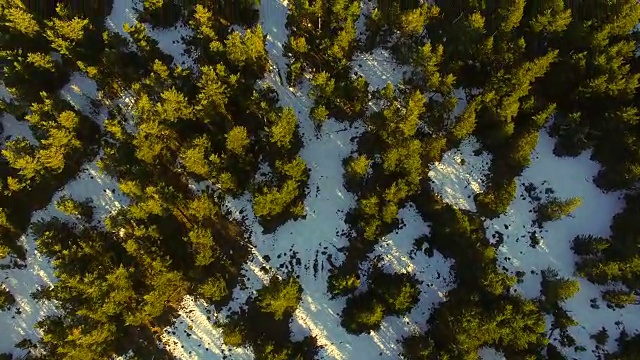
(191, 138)
(182, 140)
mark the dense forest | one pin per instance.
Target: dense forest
(181, 140)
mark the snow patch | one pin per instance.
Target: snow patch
(379, 68)
(170, 42)
(4, 93)
(123, 12)
(366, 7)
(101, 188)
(12, 129)
(490, 354)
(461, 174)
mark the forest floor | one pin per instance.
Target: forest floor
(311, 246)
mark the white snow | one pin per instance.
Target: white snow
(461, 174)
(379, 68)
(490, 354)
(568, 177)
(13, 129)
(366, 7)
(102, 189)
(170, 42)
(18, 323)
(123, 12)
(398, 255)
(4, 93)
(460, 94)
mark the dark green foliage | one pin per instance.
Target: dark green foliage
(31, 173)
(340, 284)
(555, 209)
(620, 298)
(82, 209)
(265, 324)
(362, 314)
(553, 353)
(214, 289)
(388, 295)
(6, 299)
(514, 327)
(496, 199)
(280, 297)
(556, 290)
(601, 337)
(161, 13)
(233, 333)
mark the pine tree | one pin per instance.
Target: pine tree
(6, 299)
(556, 289)
(238, 141)
(203, 245)
(66, 34)
(358, 167)
(195, 157)
(83, 210)
(283, 128)
(280, 297)
(174, 106)
(556, 208)
(214, 289)
(273, 201)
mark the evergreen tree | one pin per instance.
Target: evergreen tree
(555, 208)
(280, 297)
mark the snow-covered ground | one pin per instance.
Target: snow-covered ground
(490, 354)
(398, 255)
(18, 322)
(123, 12)
(13, 129)
(568, 177)
(378, 68)
(4, 93)
(170, 42)
(202, 340)
(461, 174)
